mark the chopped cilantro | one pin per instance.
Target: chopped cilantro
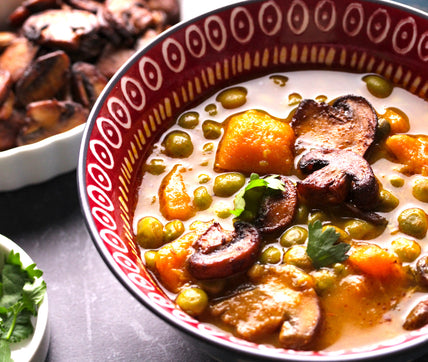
(323, 247)
(267, 184)
(21, 292)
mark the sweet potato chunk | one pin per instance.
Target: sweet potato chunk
(377, 262)
(254, 141)
(171, 259)
(175, 202)
(411, 151)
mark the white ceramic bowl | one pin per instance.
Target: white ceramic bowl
(41, 161)
(32, 349)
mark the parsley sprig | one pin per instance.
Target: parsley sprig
(266, 184)
(21, 292)
(324, 247)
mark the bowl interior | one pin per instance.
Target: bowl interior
(194, 60)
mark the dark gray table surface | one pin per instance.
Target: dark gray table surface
(91, 315)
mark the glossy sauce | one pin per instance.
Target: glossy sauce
(347, 325)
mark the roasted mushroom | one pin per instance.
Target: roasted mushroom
(29, 7)
(350, 123)
(46, 76)
(17, 57)
(277, 209)
(418, 316)
(220, 253)
(49, 117)
(87, 83)
(77, 32)
(337, 176)
(283, 299)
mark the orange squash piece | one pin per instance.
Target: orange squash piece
(411, 151)
(171, 259)
(175, 202)
(376, 262)
(397, 119)
(254, 141)
(171, 262)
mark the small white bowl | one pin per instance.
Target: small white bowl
(34, 349)
(38, 162)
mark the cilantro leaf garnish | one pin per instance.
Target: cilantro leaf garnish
(267, 184)
(21, 292)
(323, 247)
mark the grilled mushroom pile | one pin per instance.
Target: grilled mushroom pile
(58, 55)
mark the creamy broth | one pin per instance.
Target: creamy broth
(345, 329)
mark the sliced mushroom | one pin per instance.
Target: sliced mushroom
(17, 57)
(9, 129)
(338, 176)
(130, 18)
(88, 5)
(29, 7)
(6, 38)
(220, 253)
(5, 84)
(46, 76)
(49, 117)
(169, 7)
(6, 107)
(112, 59)
(422, 271)
(283, 299)
(87, 83)
(74, 31)
(418, 316)
(350, 123)
(277, 210)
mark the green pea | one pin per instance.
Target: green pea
(232, 97)
(293, 235)
(173, 230)
(302, 214)
(407, 250)
(297, 256)
(211, 129)
(149, 233)
(193, 301)
(387, 201)
(378, 85)
(317, 215)
(208, 147)
(420, 189)
(271, 255)
(201, 198)
(324, 279)
(211, 109)
(156, 166)
(396, 181)
(413, 222)
(343, 235)
(150, 259)
(212, 286)
(227, 184)
(189, 120)
(294, 99)
(280, 80)
(362, 230)
(383, 129)
(203, 178)
(178, 144)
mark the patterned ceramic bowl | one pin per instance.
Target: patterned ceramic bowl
(194, 60)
